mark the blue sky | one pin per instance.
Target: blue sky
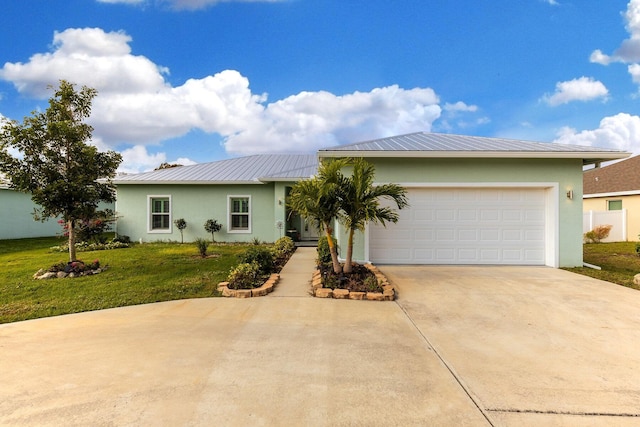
(201, 80)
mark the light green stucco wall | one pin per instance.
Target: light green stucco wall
(16, 212)
(567, 173)
(198, 203)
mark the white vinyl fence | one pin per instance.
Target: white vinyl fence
(617, 219)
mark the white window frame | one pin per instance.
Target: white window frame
(150, 214)
(230, 228)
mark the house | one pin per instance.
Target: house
(612, 196)
(473, 200)
(16, 212)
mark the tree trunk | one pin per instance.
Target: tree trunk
(71, 229)
(337, 268)
(347, 262)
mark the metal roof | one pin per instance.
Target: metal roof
(425, 144)
(243, 170)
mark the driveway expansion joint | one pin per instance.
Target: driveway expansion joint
(551, 412)
(449, 368)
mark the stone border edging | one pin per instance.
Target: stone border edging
(388, 294)
(266, 288)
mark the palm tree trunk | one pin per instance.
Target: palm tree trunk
(347, 262)
(337, 268)
(72, 240)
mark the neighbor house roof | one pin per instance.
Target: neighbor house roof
(243, 170)
(426, 144)
(621, 178)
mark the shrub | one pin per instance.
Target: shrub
(86, 246)
(261, 255)
(202, 246)
(122, 238)
(599, 233)
(181, 224)
(324, 254)
(91, 229)
(212, 226)
(245, 276)
(284, 246)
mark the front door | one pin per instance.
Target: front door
(308, 230)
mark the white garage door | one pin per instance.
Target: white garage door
(465, 226)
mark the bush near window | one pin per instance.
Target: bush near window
(598, 234)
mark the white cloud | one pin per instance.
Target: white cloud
(629, 50)
(581, 89)
(310, 120)
(91, 57)
(621, 132)
(460, 106)
(552, 2)
(136, 105)
(137, 159)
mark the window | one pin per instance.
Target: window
(239, 214)
(159, 214)
(614, 205)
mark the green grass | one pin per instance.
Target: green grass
(619, 262)
(146, 273)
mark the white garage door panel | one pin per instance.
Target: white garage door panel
(465, 226)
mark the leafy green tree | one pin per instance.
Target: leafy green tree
(181, 224)
(317, 200)
(65, 176)
(360, 202)
(212, 226)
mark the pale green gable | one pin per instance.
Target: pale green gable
(196, 203)
(558, 175)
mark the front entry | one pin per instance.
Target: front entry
(308, 230)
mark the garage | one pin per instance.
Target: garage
(501, 225)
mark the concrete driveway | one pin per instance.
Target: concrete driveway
(531, 345)
(461, 346)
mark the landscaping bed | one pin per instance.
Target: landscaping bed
(366, 282)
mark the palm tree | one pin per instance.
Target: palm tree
(359, 202)
(317, 201)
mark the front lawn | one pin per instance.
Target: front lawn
(146, 273)
(618, 261)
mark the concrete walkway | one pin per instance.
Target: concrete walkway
(295, 277)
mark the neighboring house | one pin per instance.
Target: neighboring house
(612, 196)
(473, 200)
(16, 217)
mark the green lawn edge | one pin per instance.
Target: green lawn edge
(144, 273)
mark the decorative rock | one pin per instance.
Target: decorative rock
(226, 292)
(341, 293)
(375, 296)
(636, 279)
(324, 293)
(223, 285)
(243, 293)
(357, 295)
(389, 294)
(259, 292)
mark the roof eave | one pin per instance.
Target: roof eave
(592, 156)
(144, 182)
(612, 194)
